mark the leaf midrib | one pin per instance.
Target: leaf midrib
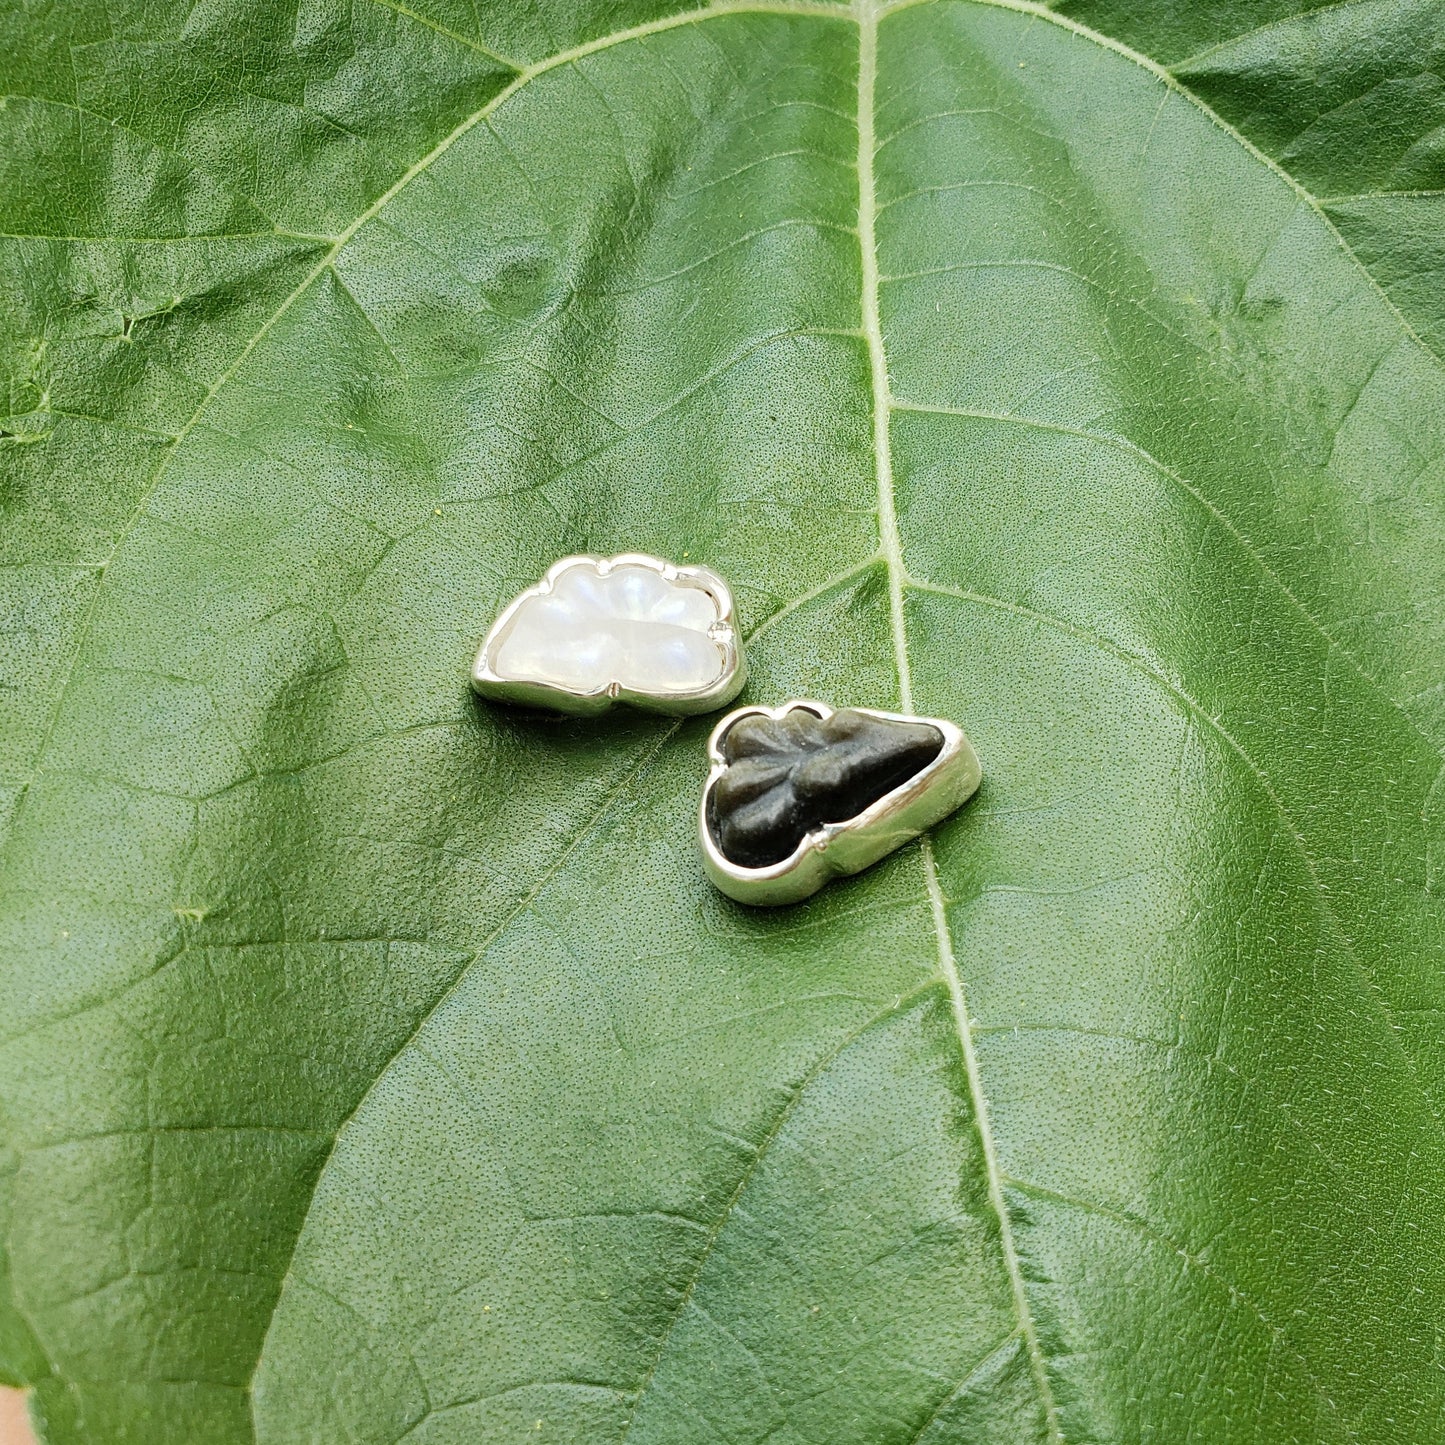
(868, 14)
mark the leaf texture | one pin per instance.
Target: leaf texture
(378, 1066)
(1350, 98)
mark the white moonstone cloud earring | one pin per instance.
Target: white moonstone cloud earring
(600, 630)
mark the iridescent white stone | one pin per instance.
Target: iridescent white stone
(628, 628)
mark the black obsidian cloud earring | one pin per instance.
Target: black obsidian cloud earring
(800, 794)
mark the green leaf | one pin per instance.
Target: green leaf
(1348, 97)
(378, 1065)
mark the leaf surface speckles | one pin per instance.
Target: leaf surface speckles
(377, 1065)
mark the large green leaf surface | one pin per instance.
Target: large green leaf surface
(379, 1066)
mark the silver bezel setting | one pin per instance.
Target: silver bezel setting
(490, 684)
(837, 849)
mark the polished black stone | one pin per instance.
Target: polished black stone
(786, 776)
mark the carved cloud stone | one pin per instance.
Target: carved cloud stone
(787, 775)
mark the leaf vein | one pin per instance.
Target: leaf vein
(629, 778)
(1326, 911)
(760, 1149)
(450, 34)
(964, 1385)
(1191, 1261)
(1169, 79)
(1245, 545)
(868, 12)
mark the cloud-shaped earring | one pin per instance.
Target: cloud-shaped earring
(799, 794)
(599, 630)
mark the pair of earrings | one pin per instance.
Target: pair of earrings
(796, 794)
